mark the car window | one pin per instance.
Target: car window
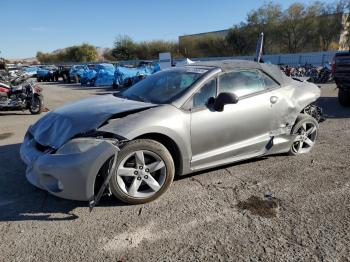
(201, 98)
(164, 86)
(269, 82)
(245, 82)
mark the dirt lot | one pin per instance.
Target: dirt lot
(221, 214)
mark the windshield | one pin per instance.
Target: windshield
(165, 86)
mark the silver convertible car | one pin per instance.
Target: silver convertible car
(132, 144)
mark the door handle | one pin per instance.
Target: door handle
(273, 99)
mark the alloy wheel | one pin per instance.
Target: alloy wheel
(141, 174)
(305, 139)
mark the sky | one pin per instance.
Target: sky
(29, 26)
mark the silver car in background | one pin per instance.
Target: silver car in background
(175, 122)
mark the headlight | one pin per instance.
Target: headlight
(78, 145)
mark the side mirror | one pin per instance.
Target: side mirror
(224, 99)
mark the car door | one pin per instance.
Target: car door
(241, 130)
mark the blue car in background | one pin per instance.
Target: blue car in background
(100, 75)
(76, 72)
(30, 71)
(47, 73)
(128, 76)
(88, 75)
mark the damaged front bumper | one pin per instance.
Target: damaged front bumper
(70, 172)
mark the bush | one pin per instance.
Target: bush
(82, 53)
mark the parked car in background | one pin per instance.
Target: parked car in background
(177, 121)
(76, 72)
(12, 69)
(63, 72)
(341, 75)
(47, 73)
(30, 71)
(128, 76)
(99, 75)
(88, 75)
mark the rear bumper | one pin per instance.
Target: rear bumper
(70, 176)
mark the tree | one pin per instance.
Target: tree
(45, 58)
(238, 41)
(212, 45)
(82, 53)
(265, 19)
(107, 55)
(151, 49)
(124, 48)
(294, 28)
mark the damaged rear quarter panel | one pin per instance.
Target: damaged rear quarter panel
(292, 99)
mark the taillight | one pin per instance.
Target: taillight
(333, 65)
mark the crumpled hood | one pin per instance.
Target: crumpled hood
(60, 125)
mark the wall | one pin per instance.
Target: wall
(316, 58)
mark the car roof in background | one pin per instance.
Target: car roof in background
(230, 65)
(104, 65)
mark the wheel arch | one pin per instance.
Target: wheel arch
(171, 145)
(314, 111)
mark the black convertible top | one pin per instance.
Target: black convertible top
(230, 65)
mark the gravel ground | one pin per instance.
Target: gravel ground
(221, 214)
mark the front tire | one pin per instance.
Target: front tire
(306, 129)
(145, 170)
(344, 97)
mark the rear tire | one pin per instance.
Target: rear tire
(38, 101)
(306, 128)
(344, 97)
(93, 82)
(136, 181)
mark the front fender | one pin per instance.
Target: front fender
(165, 120)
